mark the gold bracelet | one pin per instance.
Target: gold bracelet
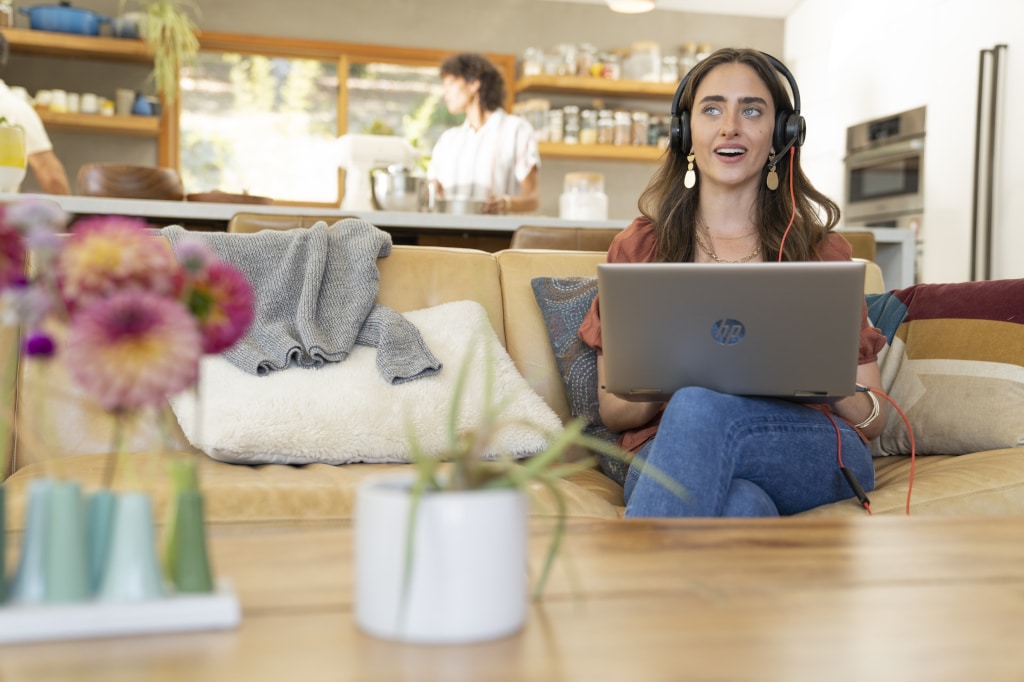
(874, 411)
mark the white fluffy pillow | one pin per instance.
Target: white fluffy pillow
(346, 412)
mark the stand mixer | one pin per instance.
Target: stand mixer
(359, 154)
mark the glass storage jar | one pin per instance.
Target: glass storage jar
(623, 128)
(641, 121)
(605, 127)
(572, 124)
(588, 126)
(556, 125)
(583, 197)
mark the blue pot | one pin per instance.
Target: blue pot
(64, 18)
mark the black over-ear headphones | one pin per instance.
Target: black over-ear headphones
(790, 127)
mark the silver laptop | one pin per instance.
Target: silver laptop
(787, 330)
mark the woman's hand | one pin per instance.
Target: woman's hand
(498, 205)
(859, 406)
(619, 414)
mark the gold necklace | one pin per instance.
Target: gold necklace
(710, 252)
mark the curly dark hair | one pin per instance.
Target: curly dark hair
(475, 67)
(673, 209)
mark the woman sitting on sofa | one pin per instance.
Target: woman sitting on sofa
(723, 195)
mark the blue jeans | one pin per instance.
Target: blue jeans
(742, 456)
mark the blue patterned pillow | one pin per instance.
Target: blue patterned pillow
(564, 302)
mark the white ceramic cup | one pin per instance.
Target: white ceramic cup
(59, 101)
(90, 103)
(43, 99)
(74, 102)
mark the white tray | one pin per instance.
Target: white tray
(218, 610)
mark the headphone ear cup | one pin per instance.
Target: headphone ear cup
(796, 127)
(789, 126)
(680, 133)
(674, 133)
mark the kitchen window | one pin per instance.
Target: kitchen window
(262, 115)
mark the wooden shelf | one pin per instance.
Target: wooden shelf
(72, 45)
(140, 126)
(597, 87)
(599, 152)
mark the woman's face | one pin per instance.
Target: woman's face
(731, 124)
(458, 93)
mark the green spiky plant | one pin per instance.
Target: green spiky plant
(465, 465)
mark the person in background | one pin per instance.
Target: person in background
(493, 155)
(722, 194)
(42, 160)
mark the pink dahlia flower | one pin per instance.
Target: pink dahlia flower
(195, 257)
(222, 301)
(12, 254)
(109, 254)
(30, 214)
(133, 349)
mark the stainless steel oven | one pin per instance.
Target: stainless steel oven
(884, 171)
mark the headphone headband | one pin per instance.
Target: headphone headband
(790, 127)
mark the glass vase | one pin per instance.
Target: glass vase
(29, 584)
(188, 561)
(132, 572)
(67, 558)
(100, 515)
(54, 564)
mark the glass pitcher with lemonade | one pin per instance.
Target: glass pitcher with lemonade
(13, 159)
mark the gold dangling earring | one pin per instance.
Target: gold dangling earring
(773, 178)
(690, 179)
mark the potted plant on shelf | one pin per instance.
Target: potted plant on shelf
(168, 29)
(440, 554)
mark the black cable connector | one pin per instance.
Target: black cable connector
(855, 486)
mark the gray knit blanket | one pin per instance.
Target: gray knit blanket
(316, 292)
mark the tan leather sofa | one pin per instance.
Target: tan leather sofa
(411, 278)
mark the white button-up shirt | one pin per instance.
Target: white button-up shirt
(492, 161)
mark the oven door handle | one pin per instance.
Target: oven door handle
(894, 150)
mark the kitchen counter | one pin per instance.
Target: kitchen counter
(896, 248)
(209, 212)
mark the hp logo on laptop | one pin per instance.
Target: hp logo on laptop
(728, 332)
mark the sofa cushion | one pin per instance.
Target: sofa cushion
(346, 412)
(564, 301)
(526, 334)
(954, 363)
(988, 483)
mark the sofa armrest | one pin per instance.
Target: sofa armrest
(874, 282)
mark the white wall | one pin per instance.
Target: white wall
(858, 61)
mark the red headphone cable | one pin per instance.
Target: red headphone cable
(792, 201)
(848, 475)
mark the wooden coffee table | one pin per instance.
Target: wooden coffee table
(862, 599)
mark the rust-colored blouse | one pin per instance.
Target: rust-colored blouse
(638, 244)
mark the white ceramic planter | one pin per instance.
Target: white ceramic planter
(468, 572)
